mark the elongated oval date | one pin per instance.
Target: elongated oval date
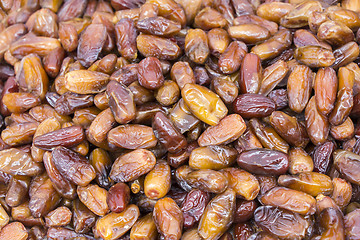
(83, 218)
(35, 79)
(69, 102)
(289, 128)
(168, 218)
(17, 191)
(290, 199)
(267, 136)
(167, 134)
(132, 136)
(230, 60)
(66, 137)
(299, 87)
(331, 223)
(144, 228)
(182, 73)
(207, 180)
(86, 81)
(30, 43)
(157, 182)
(43, 198)
(193, 206)
(126, 34)
(118, 197)
(348, 164)
(114, 225)
(212, 157)
(281, 223)
(9, 35)
(300, 161)
(101, 125)
(150, 74)
(94, 198)
(159, 26)
(19, 134)
(61, 216)
(326, 84)
(20, 102)
(274, 46)
(203, 103)
(251, 105)
(311, 183)
(63, 186)
(132, 165)
(161, 48)
(244, 210)
(250, 74)
(317, 125)
(91, 43)
(209, 18)
(218, 215)
(249, 33)
(243, 183)
(196, 45)
(314, 56)
(17, 162)
(264, 161)
(322, 156)
(227, 130)
(272, 76)
(121, 101)
(73, 166)
(335, 33)
(352, 223)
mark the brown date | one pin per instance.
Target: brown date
(251, 105)
(264, 161)
(73, 166)
(132, 165)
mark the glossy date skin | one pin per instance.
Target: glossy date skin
(218, 215)
(264, 161)
(273, 220)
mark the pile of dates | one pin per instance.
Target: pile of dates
(179, 120)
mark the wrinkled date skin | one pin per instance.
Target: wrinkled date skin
(218, 215)
(114, 225)
(252, 105)
(193, 206)
(322, 157)
(66, 137)
(121, 101)
(332, 224)
(168, 218)
(73, 166)
(264, 161)
(167, 134)
(311, 183)
(132, 165)
(204, 104)
(281, 223)
(132, 136)
(289, 199)
(348, 164)
(289, 128)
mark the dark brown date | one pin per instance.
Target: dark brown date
(66, 137)
(193, 206)
(264, 161)
(251, 105)
(73, 166)
(167, 134)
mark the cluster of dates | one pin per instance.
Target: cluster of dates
(179, 119)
